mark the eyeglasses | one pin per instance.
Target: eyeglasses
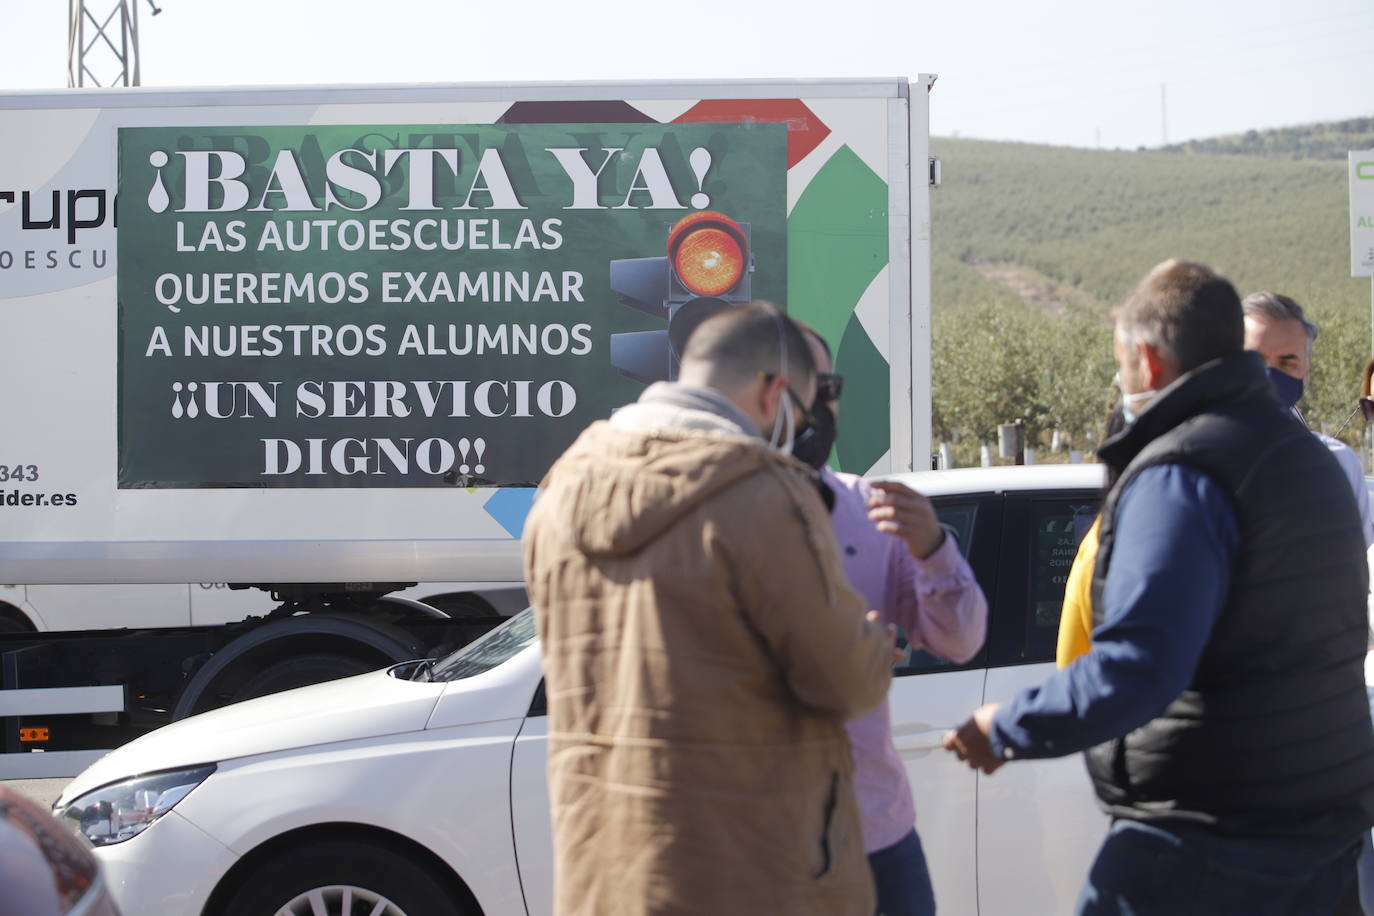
(829, 386)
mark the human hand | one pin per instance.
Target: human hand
(900, 511)
(970, 741)
(875, 618)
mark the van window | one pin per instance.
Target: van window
(960, 518)
(1056, 528)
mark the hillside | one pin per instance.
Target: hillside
(1308, 141)
(1031, 245)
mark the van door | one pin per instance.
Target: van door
(1038, 825)
(930, 696)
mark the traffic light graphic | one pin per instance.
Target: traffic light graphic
(706, 270)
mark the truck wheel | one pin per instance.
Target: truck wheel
(462, 604)
(277, 655)
(343, 878)
(13, 620)
(299, 671)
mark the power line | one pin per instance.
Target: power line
(1208, 49)
(1103, 93)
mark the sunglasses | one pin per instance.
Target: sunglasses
(1365, 407)
(830, 386)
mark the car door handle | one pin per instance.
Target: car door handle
(917, 739)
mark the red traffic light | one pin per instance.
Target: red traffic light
(708, 252)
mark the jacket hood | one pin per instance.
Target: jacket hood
(616, 489)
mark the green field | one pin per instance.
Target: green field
(1032, 245)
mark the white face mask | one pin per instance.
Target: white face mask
(783, 425)
(1128, 401)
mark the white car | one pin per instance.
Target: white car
(420, 790)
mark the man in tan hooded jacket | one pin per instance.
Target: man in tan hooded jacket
(702, 648)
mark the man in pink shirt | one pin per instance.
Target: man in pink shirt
(899, 557)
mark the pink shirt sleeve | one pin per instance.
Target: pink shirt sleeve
(937, 601)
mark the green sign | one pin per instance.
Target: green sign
(1361, 213)
(400, 306)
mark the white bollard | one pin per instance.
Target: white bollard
(985, 456)
(1075, 456)
(1030, 456)
(946, 456)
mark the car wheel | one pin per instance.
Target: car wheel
(343, 878)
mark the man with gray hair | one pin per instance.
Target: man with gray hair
(1221, 706)
(703, 647)
(1277, 329)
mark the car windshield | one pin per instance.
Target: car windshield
(484, 653)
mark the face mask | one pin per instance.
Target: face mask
(783, 425)
(1128, 401)
(813, 444)
(1289, 389)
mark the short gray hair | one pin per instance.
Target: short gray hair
(1187, 311)
(1278, 307)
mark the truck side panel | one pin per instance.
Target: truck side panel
(343, 330)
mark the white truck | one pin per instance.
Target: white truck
(320, 344)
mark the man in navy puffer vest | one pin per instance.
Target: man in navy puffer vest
(1222, 705)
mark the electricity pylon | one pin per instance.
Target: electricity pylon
(103, 40)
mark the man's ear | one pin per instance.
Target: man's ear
(769, 393)
(1155, 367)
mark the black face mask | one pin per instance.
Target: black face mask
(813, 444)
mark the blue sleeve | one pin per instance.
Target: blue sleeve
(1175, 537)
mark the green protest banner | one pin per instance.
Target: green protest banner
(402, 305)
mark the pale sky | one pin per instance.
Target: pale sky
(1076, 72)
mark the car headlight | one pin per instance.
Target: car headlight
(121, 810)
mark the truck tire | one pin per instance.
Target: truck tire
(462, 604)
(13, 620)
(341, 878)
(341, 645)
(300, 670)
